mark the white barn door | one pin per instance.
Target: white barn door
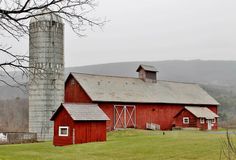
(209, 124)
(124, 116)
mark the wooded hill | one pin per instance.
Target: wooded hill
(217, 77)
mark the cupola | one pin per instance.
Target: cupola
(147, 73)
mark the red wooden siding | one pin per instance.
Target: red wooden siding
(109, 111)
(159, 114)
(63, 119)
(162, 114)
(146, 113)
(193, 121)
(90, 131)
(74, 92)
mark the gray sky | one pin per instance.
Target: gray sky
(156, 30)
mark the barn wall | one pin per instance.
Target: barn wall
(202, 126)
(142, 74)
(159, 114)
(74, 92)
(213, 109)
(63, 119)
(147, 75)
(162, 114)
(146, 113)
(151, 75)
(193, 121)
(90, 131)
(108, 109)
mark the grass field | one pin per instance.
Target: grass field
(126, 145)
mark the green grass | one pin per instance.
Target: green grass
(125, 145)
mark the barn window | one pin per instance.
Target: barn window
(185, 120)
(202, 121)
(72, 82)
(213, 120)
(63, 131)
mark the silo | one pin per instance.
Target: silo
(46, 81)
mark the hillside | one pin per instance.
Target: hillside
(217, 77)
(214, 73)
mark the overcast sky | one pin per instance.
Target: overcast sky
(154, 30)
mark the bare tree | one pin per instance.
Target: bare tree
(228, 147)
(14, 20)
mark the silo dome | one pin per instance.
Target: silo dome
(46, 15)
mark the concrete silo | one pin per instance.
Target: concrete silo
(46, 81)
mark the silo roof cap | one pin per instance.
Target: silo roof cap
(46, 15)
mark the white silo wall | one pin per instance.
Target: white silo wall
(46, 84)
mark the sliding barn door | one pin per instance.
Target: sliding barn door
(124, 116)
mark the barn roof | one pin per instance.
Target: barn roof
(125, 89)
(147, 68)
(83, 112)
(201, 112)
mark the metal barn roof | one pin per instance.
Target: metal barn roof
(84, 112)
(147, 68)
(125, 89)
(202, 112)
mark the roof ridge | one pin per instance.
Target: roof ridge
(102, 75)
(179, 82)
(76, 103)
(131, 78)
(146, 64)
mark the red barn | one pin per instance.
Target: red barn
(134, 102)
(78, 123)
(200, 117)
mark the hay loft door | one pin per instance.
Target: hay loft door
(124, 116)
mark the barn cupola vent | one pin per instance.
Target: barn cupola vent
(147, 73)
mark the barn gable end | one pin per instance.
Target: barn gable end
(74, 93)
(62, 118)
